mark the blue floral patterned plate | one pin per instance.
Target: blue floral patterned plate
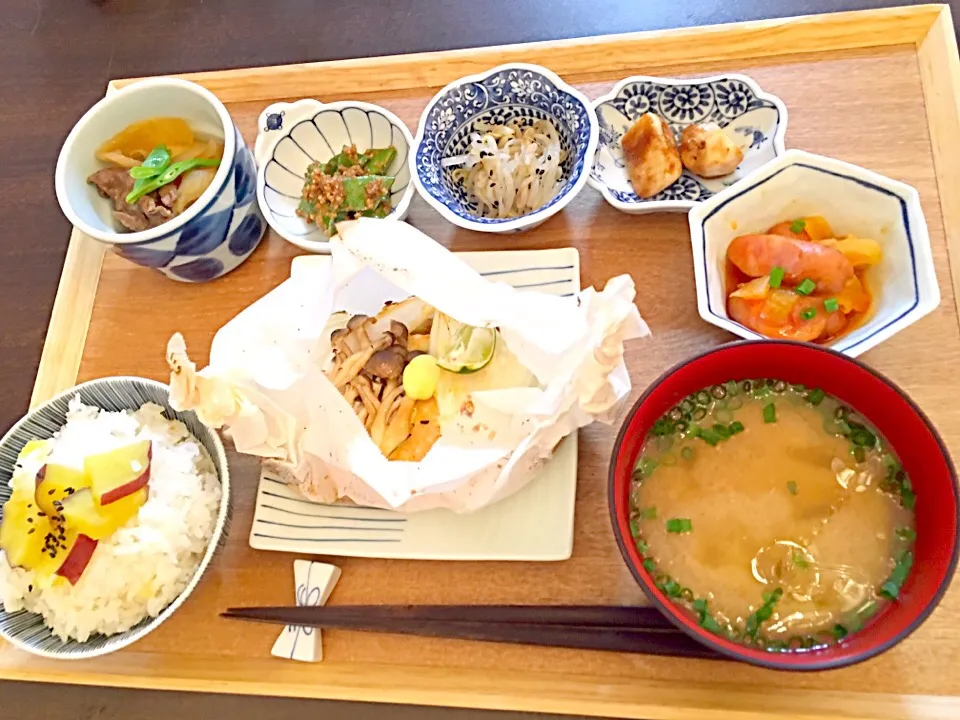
(755, 119)
(498, 96)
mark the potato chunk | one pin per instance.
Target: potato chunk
(653, 160)
(706, 150)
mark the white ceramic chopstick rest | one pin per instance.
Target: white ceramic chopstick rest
(313, 583)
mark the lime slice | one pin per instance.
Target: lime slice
(463, 348)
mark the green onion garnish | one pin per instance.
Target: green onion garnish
(831, 305)
(672, 588)
(707, 435)
(736, 427)
(687, 454)
(646, 466)
(839, 632)
(649, 513)
(679, 525)
(722, 430)
(908, 499)
(809, 313)
(649, 565)
(662, 427)
(891, 588)
(800, 560)
(642, 547)
(710, 625)
(908, 534)
(700, 605)
(634, 528)
(792, 487)
(863, 438)
(798, 226)
(806, 287)
(816, 396)
(776, 276)
(867, 610)
(769, 413)
(764, 612)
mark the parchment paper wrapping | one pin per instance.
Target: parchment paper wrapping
(265, 381)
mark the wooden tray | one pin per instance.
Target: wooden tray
(873, 88)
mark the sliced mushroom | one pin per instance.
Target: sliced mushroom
(367, 396)
(337, 336)
(383, 342)
(356, 321)
(400, 332)
(379, 426)
(352, 367)
(350, 393)
(387, 363)
(361, 331)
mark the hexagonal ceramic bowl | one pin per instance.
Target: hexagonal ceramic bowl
(854, 201)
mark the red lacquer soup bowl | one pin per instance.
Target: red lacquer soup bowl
(898, 418)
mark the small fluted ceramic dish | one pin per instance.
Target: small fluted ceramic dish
(215, 234)
(293, 135)
(26, 630)
(755, 120)
(854, 201)
(528, 92)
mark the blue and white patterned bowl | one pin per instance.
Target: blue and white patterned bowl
(215, 234)
(498, 96)
(854, 201)
(26, 630)
(293, 135)
(755, 119)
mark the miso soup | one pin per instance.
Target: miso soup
(775, 514)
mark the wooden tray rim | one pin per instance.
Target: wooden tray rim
(928, 28)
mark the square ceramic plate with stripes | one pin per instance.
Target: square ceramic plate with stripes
(534, 525)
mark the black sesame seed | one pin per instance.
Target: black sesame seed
(70, 491)
(41, 514)
(424, 422)
(51, 492)
(493, 184)
(29, 588)
(29, 520)
(31, 531)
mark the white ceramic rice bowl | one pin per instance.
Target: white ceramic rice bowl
(26, 630)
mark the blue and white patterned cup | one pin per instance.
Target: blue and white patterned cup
(215, 234)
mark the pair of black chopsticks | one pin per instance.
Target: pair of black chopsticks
(585, 627)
